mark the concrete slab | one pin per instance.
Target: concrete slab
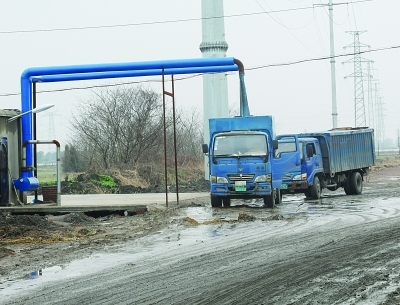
(103, 202)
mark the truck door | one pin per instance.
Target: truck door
(286, 158)
(312, 160)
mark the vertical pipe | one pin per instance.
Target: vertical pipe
(175, 152)
(35, 142)
(58, 173)
(165, 141)
(333, 72)
(34, 136)
(26, 120)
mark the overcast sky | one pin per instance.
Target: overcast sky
(264, 34)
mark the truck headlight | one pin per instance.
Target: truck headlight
(263, 178)
(300, 177)
(216, 179)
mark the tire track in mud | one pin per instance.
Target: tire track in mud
(324, 258)
(266, 273)
(290, 281)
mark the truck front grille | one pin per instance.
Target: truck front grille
(241, 177)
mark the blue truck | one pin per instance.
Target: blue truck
(311, 162)
(240, 155)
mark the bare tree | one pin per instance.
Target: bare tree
(123, 127)
(120, 125)
(189, 136)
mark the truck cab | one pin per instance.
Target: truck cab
(297, 161)
(240, 153)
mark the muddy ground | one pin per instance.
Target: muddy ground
(31, 242)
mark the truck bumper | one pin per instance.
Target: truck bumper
(253, 190)
(291, 186)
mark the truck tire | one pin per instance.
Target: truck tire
(269, 201)
(346, 186)
(278, 196)
(356, 183)
(216, 201)
(316, 189)
(226, 202)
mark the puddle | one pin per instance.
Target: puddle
(216, 227)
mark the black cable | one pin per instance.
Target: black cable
(160, 22)
(196, 75)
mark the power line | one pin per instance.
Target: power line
(160, 22)
(200, 74)
(322, 58)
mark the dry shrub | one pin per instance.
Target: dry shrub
(386, 161)
(128, 177)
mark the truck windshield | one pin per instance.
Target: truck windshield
(285, 145)
(240, 145)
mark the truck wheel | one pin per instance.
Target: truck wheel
(278, 196)
(226, 202)
(346, 186)
(316, 189)
(216, 201)
(356, 183)
(269, 201)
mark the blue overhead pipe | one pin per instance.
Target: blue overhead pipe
(187, 66)
(121, 74)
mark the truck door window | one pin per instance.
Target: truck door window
(310, 149)
(285, 146)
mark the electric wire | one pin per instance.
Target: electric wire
(319, 35)
(200, 74)
(323, 5)
(160, 22)
(277, 20)
(286, 27)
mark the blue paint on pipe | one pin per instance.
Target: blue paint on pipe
(181, 66)
(111, 67)
(120, 74)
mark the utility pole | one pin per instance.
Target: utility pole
(332, 61)
(333, 71)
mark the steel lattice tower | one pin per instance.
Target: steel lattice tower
(371, 101)
(358, 75)
(51, 131)
(379, 115)
(215, 85)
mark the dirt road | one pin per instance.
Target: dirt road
(337, 250)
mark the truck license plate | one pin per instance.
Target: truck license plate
(283, 186)
(240, 186)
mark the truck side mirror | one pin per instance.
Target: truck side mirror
(205, 148)
(275, 144)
